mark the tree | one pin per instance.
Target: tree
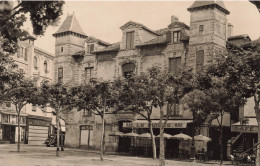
(19, 91)
(58, 97)
(42, 14)
(98, 97)
(133, 95)
(222, 85)
(196, 101)
(167, 89)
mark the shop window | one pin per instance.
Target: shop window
(87, 112)
(201, 29)
(35, 63)
(174, 65)
(89, 71)
(45, 67)
(128, 69)
(176, 36)
(199, 60)
(90, 48)
(130, 40)
(60, 74)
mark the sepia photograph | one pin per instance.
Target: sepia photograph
(130, 83)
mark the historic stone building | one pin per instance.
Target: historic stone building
(79, 57)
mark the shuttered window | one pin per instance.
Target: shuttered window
(89, 73)
(174, 65)
(90, 48)
(199, 60)
(130, 40)
(176, 36)
(60, 74)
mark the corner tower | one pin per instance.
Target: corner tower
(69, 39)
(208, 32)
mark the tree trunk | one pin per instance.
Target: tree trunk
(257, 112)
(153, 139)
(18, 143)
(162, 151)
(61, 138)
(221, 145)
(104, 138)
(58, 132)
(102, 132)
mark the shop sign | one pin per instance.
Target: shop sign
(244, 129)
(37, 122)
(155, 125)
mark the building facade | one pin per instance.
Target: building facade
(79, 57)
(36, 64)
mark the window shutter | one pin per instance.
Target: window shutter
(91, 48)
(168, 36)
(132, 39)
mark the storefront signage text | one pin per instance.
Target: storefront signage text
(155, 125)
(244, 128)
(37, 122)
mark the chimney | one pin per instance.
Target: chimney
(230, 30)
(174, 19)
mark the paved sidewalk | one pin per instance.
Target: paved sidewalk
(46, 156)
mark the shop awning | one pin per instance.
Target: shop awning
(155, 123)
(247, 125)
(62, 123)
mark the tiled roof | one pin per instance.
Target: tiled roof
(70, 24)
(218, 3)
(162, 31)
(239, 37)
(139, 25)
(80, 53)
(97, 40)
(112, 47)
(162, 39)
(157, 40)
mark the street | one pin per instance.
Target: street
(46, 156)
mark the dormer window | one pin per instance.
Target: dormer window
(130, 40)
(90, 48)
(176, 36)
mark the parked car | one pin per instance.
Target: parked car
(52, 140)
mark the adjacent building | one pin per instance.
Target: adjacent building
(36, 64)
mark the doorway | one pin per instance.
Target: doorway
(9, 133)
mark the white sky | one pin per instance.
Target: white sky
(104, 19)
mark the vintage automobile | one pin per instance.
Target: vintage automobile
(52, 140)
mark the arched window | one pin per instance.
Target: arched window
(128, 69)
(35, 63)
(45, 67)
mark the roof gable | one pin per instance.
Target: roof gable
(178, 24)
(132, 24)
(70, 24)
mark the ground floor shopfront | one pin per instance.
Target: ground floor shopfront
(245, 135)
(141, 146)
(34, 130)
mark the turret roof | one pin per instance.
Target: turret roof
(218, 3)
(70, 24)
